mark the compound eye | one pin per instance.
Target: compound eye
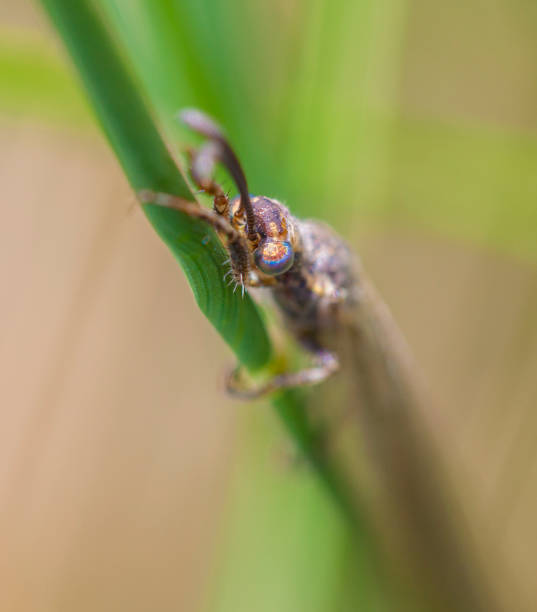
(274, 257)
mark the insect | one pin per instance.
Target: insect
(311, 273)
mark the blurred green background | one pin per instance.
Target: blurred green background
(129, 480)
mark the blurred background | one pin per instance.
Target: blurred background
(128, 481)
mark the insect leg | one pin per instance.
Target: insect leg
(192, 209)
(325, 363)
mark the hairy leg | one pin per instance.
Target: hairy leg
(192, 209)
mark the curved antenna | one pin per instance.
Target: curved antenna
(201, 123)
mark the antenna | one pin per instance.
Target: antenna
(201, 123)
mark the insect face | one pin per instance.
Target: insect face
(277, 241)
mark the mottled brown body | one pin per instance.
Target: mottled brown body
(318, 295)
(321, 285)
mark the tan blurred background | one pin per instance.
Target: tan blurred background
(116, 442)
